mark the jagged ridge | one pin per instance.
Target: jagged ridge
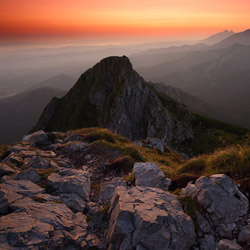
(114, 96)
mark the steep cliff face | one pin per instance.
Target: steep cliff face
(112, 95)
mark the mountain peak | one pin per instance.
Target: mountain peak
(217, 37)
(115, 63)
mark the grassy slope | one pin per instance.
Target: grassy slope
(233, 160)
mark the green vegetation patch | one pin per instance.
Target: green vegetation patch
(190, 206)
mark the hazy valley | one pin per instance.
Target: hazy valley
(115, 147)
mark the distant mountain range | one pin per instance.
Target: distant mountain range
(217, 37)
(64, 82)
(20, 112)
(217, 74)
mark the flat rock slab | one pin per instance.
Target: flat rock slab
(148, 218)
(38, 224)
(71, 181)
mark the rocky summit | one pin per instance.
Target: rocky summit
(66, 191)
(112, 95)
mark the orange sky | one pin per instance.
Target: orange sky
(121, 18)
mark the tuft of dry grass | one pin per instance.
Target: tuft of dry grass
(233, 161)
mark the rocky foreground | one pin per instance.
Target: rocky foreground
(58, 192)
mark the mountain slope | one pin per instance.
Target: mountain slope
(223, 83)
(20, 112)
(238, 38)
(114, 96)
(64, 82)
(217, 37)
(187, 99)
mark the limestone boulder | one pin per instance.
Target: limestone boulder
(39, 138)
(68, 181)
(148, 218)
(224, 205)
(149, 175)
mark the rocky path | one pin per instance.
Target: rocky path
(60, 191)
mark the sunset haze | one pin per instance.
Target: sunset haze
(28, 19)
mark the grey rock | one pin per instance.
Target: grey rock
(244, 236)
(6, 170)
(148, 217)
(149, 175)
(189, 189)
(29, 174)
(208, 243)
(13, 190)
(40, 225)
(74, 201)
(77, 146)
(71, 181)
(109, 188)
(155, 143)
(14, 159)
(224, 204)
(228, 245)
(204, 226)
(38, 138)
(36, 163)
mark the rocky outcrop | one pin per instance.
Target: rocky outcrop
(114, 96)
(222, 214)
(149, 175)
(74, 197)
(222, 201)
(148, 218)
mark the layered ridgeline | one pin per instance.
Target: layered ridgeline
(114, 96)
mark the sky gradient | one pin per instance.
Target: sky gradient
(120, 18)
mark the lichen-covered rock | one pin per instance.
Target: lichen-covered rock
(222, 201)
(71, 181)
(149, 175)
(148, 218)
(228, 245)
(38, 138)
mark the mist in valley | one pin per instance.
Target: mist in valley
(211, 76)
